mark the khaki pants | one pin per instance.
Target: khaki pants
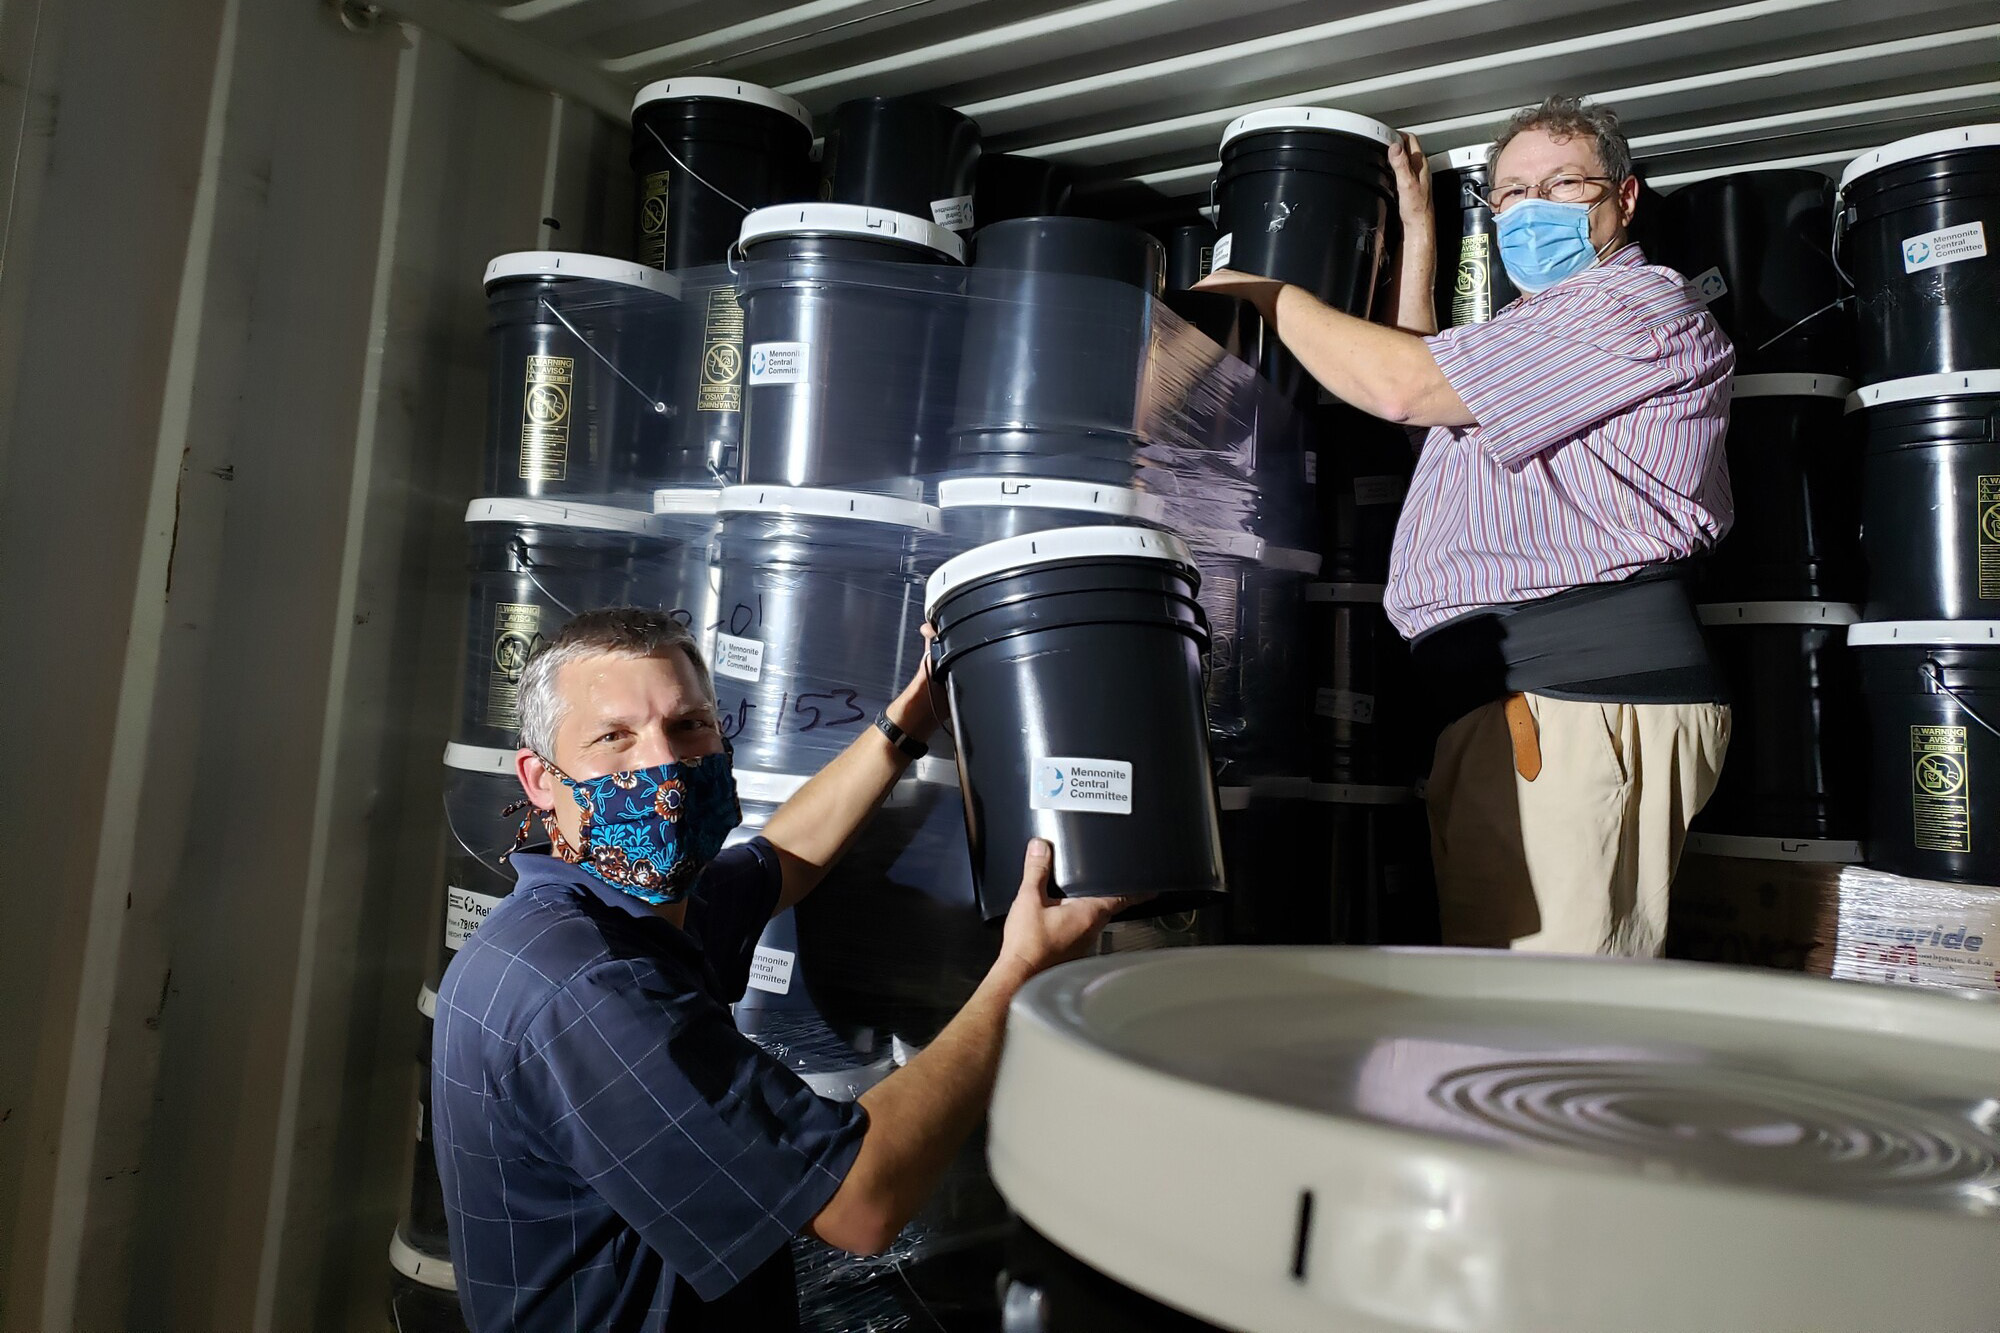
(1578, 860)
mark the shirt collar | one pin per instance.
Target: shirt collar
(1627, 256)
(537, 868)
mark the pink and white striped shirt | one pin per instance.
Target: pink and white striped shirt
(1601, 405)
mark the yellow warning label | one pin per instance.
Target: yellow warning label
(1941, 799)
(1989, 538)
(545, 418)
(721, 355)
(517, 632)
(653, 220)
(1472, 294)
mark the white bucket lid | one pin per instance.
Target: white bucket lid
(1234, 798)
(1955, 384)
(562, 514)
(1049, 493)
(767, 788)
(729, 90)
(1309, 118)
(852, 220)
(570, 264)
(1252, 549)
(818, 502)
(1778, 613)
(1344, 592)
(1920, 145)
(414, 1264)
(427, 1001)
(1507, 1128)
(1926, 634)
(691, 500)
(1830, 851)
(845, 1085)
(1046, 548)
(1791, 386)
(478, 759)
(1472, 155)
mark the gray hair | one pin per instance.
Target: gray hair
(625, 631)
(1563, 118)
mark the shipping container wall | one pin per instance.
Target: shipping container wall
(242, 379)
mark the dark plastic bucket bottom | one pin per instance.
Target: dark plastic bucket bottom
(1076, 696)
(1934, 798)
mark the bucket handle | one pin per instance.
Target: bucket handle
(1795, 325)
(676, 160)
(1935, 674)
(1840, 224)
(659, 407)
(526, 560)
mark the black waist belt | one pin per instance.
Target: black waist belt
(1635, 642)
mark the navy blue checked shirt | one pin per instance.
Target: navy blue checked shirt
(614, 1154)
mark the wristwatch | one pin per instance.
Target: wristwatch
(901, 739)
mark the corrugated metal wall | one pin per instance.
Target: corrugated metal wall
(242, 374)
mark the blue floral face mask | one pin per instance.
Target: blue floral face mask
(1542, 242)
(649, 833)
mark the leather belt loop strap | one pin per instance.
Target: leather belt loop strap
(1527, 740)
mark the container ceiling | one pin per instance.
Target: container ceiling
(1140, 90)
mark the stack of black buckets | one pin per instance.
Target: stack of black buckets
(1917, 227)
(782, 463)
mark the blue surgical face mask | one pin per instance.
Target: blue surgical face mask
(1542, 242)
(651, 832)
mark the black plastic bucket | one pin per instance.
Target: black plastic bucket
(1795, 468)
(1305, 195)
(1056, 346)
(978, 510)
(423, 1289)
(1933, 692)
(1798, 762)
(479, 785)
(894, 940)
(1359, 728)
(1930, 510)
(1361, 476)
(1755, 246)
(1253, 598)
(579, 399)
(850, 372)
(780, 1008)
(705, 152)
(1225, 321)
(424, 1224)
(907, 155)
(1919, 232)
(534, 565)
(1010, 185)
(1472, 283)
(821, 595)
(1072, 663)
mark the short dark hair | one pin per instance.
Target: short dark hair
(1562, 118)
(619, 631)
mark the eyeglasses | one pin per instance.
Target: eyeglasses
(1562, 189)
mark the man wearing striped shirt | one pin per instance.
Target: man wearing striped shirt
(1572, 462)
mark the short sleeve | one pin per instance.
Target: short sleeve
(706, 1146)
(731, 904)
(1542, 375)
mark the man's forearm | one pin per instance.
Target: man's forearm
(1383, 371)
(1416, 281)
(918, 1120)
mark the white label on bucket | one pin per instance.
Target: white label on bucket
(1346, 705)
(463, 911)
(1379, 490)
(778, 363)
(738, 659)
(771, 970)
(1100, 785)
(1709, 286)
(954, 213)
(1935, 249)
(1224, 245)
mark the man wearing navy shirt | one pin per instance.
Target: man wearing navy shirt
(613, 1153)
